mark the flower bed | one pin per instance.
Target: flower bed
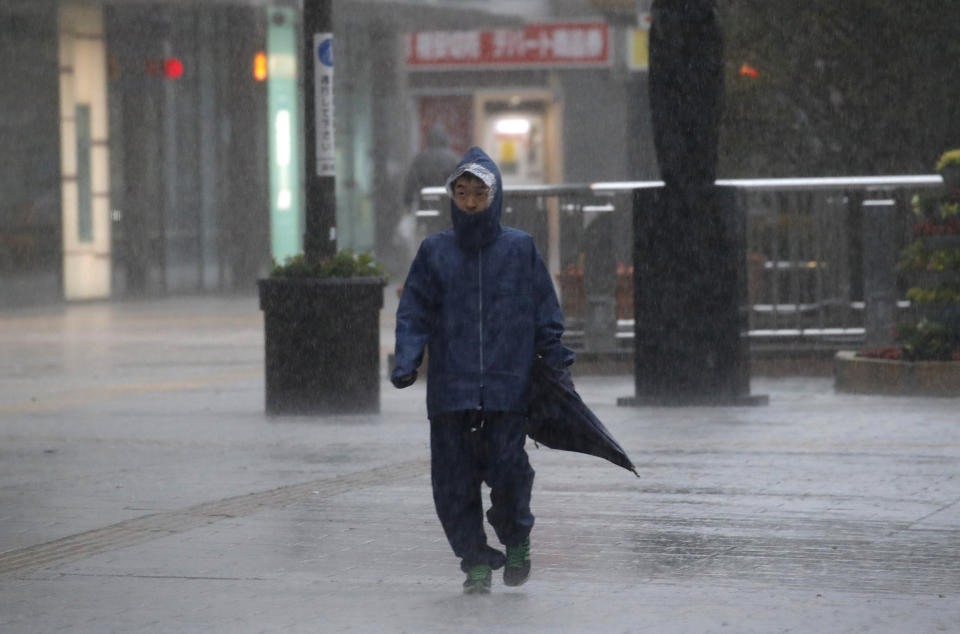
(926, 359)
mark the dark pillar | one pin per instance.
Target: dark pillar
(319, 240)
(690, 297)
(689, 236)
(686, 90)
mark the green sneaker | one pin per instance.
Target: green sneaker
(517, 570)
(478, 580)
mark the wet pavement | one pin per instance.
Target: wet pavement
(143, 489)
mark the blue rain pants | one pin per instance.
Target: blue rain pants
(468, 448)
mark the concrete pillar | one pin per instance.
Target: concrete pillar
(879, 271)
(599, 280)
(84, 153)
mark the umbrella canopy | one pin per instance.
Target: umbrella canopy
(559, 419)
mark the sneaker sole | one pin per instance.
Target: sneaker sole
(507, 581)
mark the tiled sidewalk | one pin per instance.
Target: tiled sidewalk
(142, 489)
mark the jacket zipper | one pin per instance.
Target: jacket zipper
(480, 281)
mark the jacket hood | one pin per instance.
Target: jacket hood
(475, 231)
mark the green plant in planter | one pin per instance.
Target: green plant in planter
(914, 257)
(949, 168)
(938, 212)
(936, 207)
(344, 264)
(322, 334)
(929, 341)
(932, 263)
(949, 158)
(947, 259)
(917, 256)
(939, 295)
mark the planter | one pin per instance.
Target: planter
(322, 344)
(904, 378)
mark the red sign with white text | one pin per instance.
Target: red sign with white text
(568, 44)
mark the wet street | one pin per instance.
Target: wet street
(143, 489)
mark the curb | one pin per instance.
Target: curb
(863, 375)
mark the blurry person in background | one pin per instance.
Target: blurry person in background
(479, 295)
(429, 168)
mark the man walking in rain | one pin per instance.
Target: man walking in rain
(429, 168)
(479, 296)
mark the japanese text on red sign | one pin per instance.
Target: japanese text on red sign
(568, 44)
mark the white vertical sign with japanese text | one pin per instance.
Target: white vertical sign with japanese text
(323, 100)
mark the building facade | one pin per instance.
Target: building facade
(144, 153)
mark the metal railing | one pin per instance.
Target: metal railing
(807, 241)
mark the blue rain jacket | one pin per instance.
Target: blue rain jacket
(480, 297)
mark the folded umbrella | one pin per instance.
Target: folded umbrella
(558, 418)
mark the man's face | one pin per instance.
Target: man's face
(470, 194)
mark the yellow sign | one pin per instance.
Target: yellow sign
(638, 49)
(508, 151)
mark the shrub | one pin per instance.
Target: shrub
(949, 158)
(344, 264)
(937, 214)
(930, 341)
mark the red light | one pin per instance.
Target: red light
(172, 68)
(746, 70)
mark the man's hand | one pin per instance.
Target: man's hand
(404, 381)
